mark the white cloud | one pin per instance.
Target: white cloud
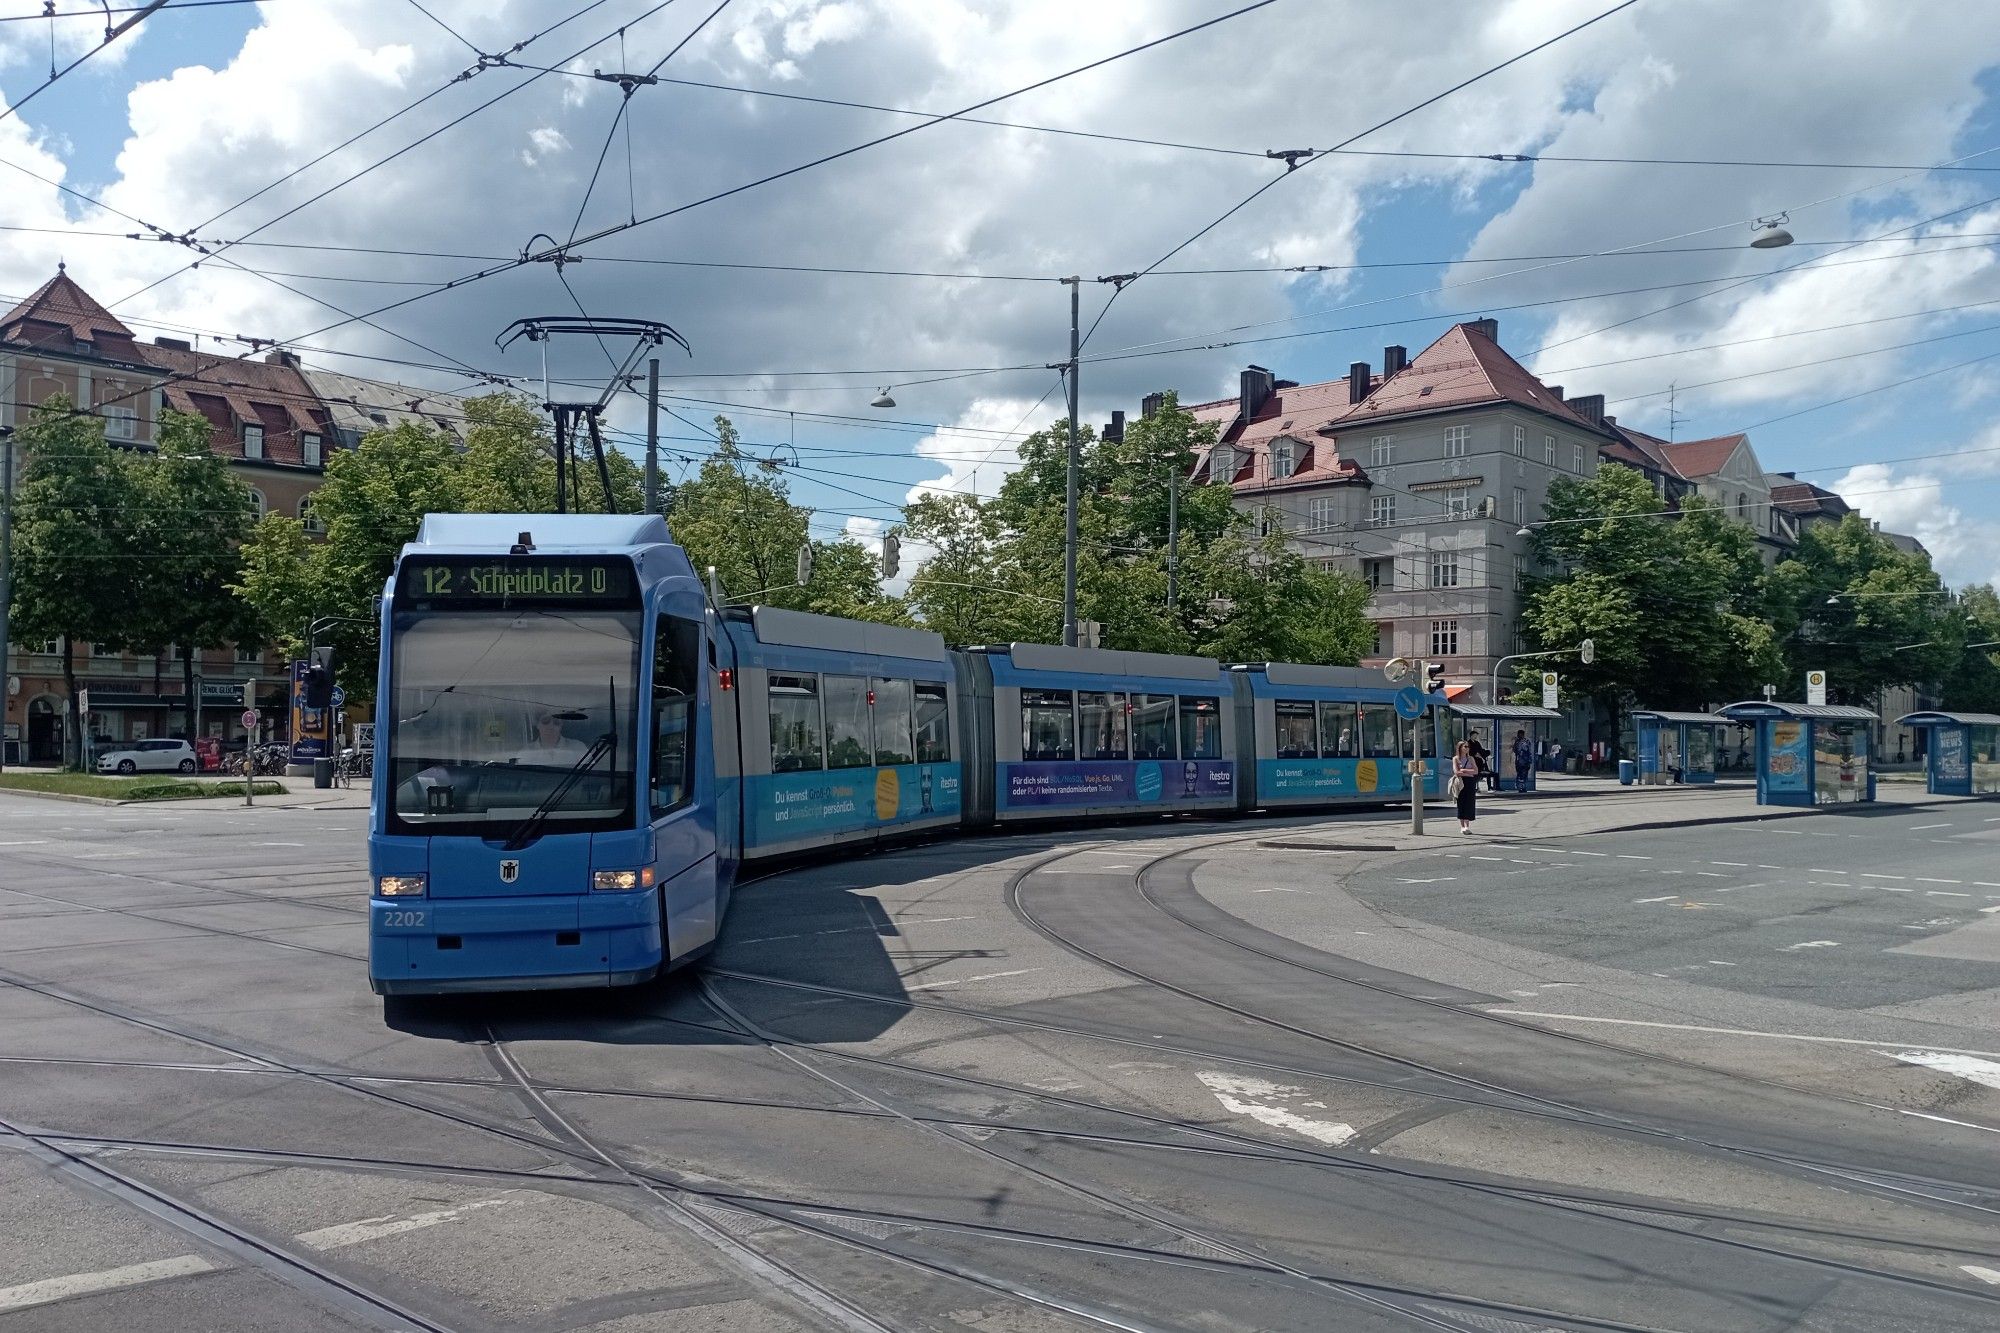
(1914, 503)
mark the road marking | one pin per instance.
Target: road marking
(1277, 890)
(1667, 899)
(1761, 866)
(1919, 828)
(1983, 1274)
(50, 1290)
(1984, 885)
(1994, 908)
(1627, 856)
(1922, 880)
(1740, 865)
(280, 844)
(1443, 879)
(1869, 874)
(1811, 944)
(1890, 888)
(990, 976)
(1583, 853)
(1231, 1089)
(1712, 874)
(1944, 893)
(1725, 1032)
(1719, 963)
(1972, 1070)
(1489, 858)
(25, 842)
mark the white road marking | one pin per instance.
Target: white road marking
(1719, 963)
(1762, 866)
(1811, 944)
(1984, 885)
(1994, 908)
(280, 844)
(1726, 1032)
(1583, 853)
(1919, 828)
(1922, 880)
(1944, 893)
(1890, 888)
(1627, 856)
(50, 1290)
(1231, 1089)
(25, 842)
(1666, 899)
(1740, 865)
(1444, 879)
(1983, 1274)
(1869, 874)
(1489, 858)
(1972, 1070)
(990, 976)
(1277, 890)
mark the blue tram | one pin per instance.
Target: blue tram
(575, 751)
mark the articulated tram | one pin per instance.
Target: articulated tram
(576, 751)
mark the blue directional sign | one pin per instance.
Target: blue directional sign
(1409, 703)
(339, 697)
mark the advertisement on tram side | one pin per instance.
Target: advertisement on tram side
(1115, 782)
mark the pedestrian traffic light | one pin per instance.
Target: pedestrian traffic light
(1433, 676)
(316, 688)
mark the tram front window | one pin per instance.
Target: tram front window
(495, 712)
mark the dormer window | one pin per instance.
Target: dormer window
(1281, 459)
(253, 440)
(309, 449)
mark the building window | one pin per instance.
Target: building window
(1269, 520)
(1457, 439)
(1743, 506)
(1281, 459)
(1385, 638)
(309, 449)
(1520, 572)
(50, 648)
(253, 440)
(1376, 574)
(307, 519)
(1381, 510)
(1444, 638)
(1520, 507)
(1520, 441)
(1382, 451)
(1549, 450)
(255, 499)
(1577, 455)
(1321, 511)
(1444, 569)
(1458, 502)
(248, 655)
(121, 422)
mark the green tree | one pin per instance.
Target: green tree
(192, 519)
(1972, 684)
(1852, 603)
(75, 544)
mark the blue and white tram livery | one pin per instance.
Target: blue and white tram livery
(547, 809)
(846, 730)
(1080, 733)
(1324, 734)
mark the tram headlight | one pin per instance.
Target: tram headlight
(613, 880)
(399, 886)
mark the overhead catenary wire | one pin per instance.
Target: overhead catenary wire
(111, 34)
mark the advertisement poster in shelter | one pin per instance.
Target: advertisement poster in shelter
(1788, 761)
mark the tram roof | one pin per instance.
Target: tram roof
(1339, 677)
(547, 532)
(1105, 661)
(803, 629)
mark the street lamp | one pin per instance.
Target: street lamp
(1770, 233)
(883, 399)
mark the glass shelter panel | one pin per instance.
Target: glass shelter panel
(1985, 746)
(1840, 762)
(1701, 749)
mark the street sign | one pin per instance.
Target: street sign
(339, 697)
(1548, 689)
(1589, 651)
(1409, 703)
(1816, 688)
(250, 719)
(83, 701)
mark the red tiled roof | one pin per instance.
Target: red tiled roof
(230, 392)
(1703, 458)
(61, 309)
(1802, 497)
(1463, 368)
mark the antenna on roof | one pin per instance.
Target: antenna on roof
(1673, 418)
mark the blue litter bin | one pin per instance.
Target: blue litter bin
(1627, 772)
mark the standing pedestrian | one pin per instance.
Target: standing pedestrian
(1465, 785)
(1484, 759)
(1524, 759)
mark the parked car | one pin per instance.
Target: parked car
(149, 756)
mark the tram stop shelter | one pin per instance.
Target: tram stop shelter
(1493, 726)
(1963, 757)
(1809, 754)
(1677, 747)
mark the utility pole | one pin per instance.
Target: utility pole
(653, 436)
(1069, 509)
(6, 569)
(1173, 529)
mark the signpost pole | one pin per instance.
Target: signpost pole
(1416, 782)
(249, 742)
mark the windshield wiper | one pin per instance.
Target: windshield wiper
(532, 825)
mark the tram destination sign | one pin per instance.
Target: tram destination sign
(469, 582)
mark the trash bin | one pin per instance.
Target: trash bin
(322, 772)
(1627, 771)
(1871, 786)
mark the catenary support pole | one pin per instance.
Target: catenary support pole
(1069, 510)
(1173, 531)
(6, 570)
(653, 436)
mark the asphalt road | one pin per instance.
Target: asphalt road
(1165, 1077)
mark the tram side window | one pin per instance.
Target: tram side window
(1152, 726)
(1297, 738)
(1381, 738)
(1201, 728)
(892, 722)
(1048, 725)
(1100, 731)
(795, 724)
(847, 744)
(1337, 736)
(933, 724)
(676, 672)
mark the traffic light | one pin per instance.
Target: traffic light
(892, 555)
(1433, 677)
(316, 689)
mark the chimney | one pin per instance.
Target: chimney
(1115, 432)
(1555, 391)
(176, 344)
(278, 356)
(1394, 359)
(1589, 406)
(1609, 420)
(1357, 381)
(1256, 391)
(1151, 404)
(1489, 327)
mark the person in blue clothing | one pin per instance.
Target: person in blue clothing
(1524, 759)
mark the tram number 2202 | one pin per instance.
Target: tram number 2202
(391, 920)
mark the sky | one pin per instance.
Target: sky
(1865, 357)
